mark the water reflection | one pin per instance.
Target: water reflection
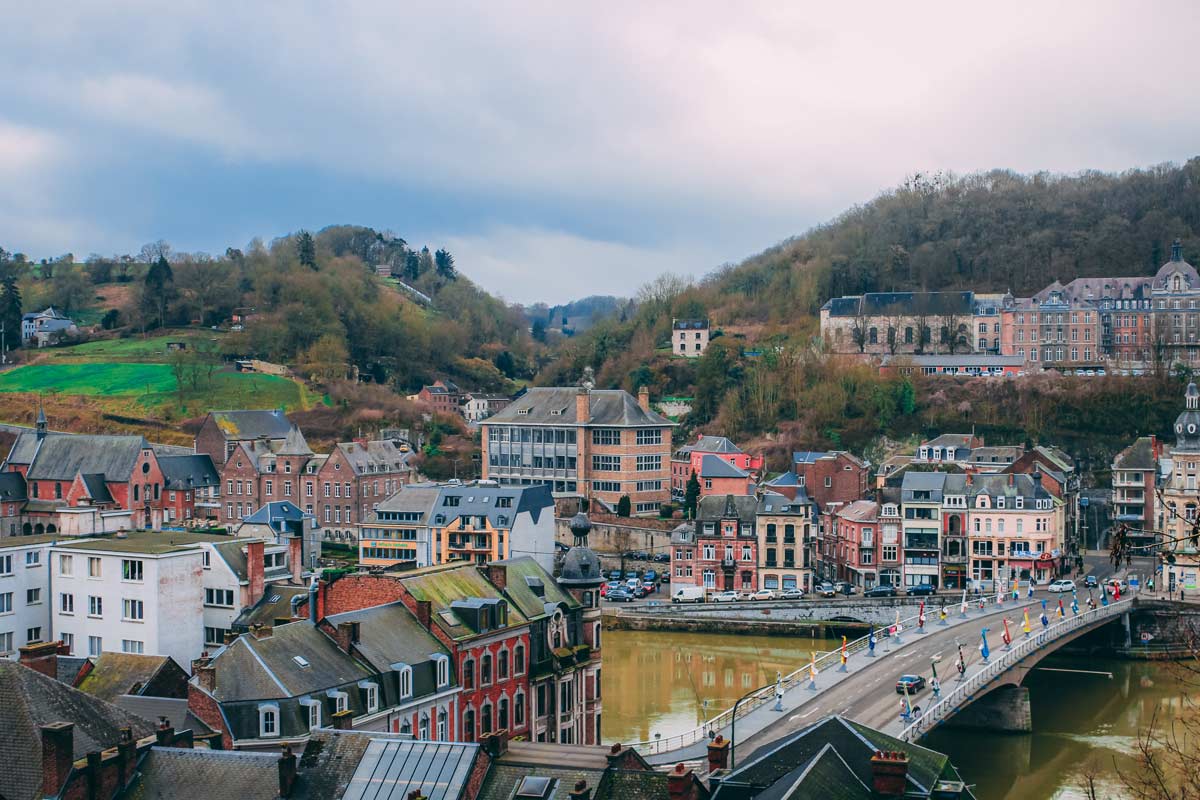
(656, 683)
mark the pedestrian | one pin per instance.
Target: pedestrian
(1181, 598)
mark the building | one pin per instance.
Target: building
(688, 459)
(971, 365)
(25, 600)
(581, 576)
(352, 480)
(921, 525)
(222, 431)
(1134, 488)
(46, 327)
(831, 479)
(949, 448)
(478, 406)
(284, 524)
(192, 486)
(1015, 527)
(689, 337)
(573, 772)
(857, 532)
(583, 443)
(479, 522)
(442, 396)
(784, 526)
(1181, 500)
(893, 323)
(719, 477)
(891, 549)
(725, 552)
(264, 470)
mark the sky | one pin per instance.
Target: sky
(557, 150)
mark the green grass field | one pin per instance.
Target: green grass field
(153, 386)
(151, 351)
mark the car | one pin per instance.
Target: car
(1101, 372)
(762, 594)
(1061, 585)
(725, 597)
(614, 575)
(910, 684)
(630, 574)
(614, 585)
(688, 594)
(632, 582)
(662, 558)
(650, 586)
(845, 587)
(1112, 583)
(791, 594)
(826, 590)
(620, 596)
(921, 589)
(882, 590)
(1091, 582)
(638, 591)
(639, 555)
(650, 575)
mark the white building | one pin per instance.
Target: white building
(24, 592)
(689, 337)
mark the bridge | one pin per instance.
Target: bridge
(864, 688)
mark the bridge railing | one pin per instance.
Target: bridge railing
(800, 676)
(1002, 661)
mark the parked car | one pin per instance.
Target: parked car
(662, 558)
(911, 683)
(882, 590)
(921, 589)
(620, 596)
(650, 575)
(762, 594)
(826, 590)
(845, 587)
(688, 594)
(1091, 582)
(614, 575)
(639, 555)
(1062, 585)
(631, 575)
(791, 594)
(638, 591)
(725, 597)
(650, 586)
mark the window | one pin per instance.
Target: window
(468, 673)
(372, 696)
(443, 670)
(314, 714)
(95, 645)
(33, 634)
(131, 569)
(221, 598)
(649, 463)
(33, 597)
(519, 659)
(607, 436)
(485, 669)
(66, 565)
(502, 657)
(215, 636)
(66, 603)
(6, 602)
(828, 482)
(33, 558)
(268, 720)
(406, 681)
(132, 610)
(6, 565)
(645, 437)
(606, 463)
(133, 646)
(95, 606)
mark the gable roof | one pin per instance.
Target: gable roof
(29, 700)
(712, 466)
(556, 406)
(62, 456)
(294, 444)
(115, 674)
(96, 488)
(714, 507)
(711, 444)
(276, 514)
(183, 472)
(12, 487)
(261, 669)
(444, 584)
(175, 709)
(245, 424)
(390, 634)
(1139, 455)
(383, 454)
(523, 576)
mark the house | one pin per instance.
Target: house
(283, 524)
(719, 477)
(442, 396)
(583, 443)
(689, 458)
(264, 470)
(726, 548)
(1134, 485)
(784, 525)
(1014, 527)
(830, 479)
(352, 480)
(478, 406)
(192, 486)
(689, 337)
(1181, 499)
(856, 529)
(222, 431)
(479, 521)
(46, 327)
(110, 676)
(891, 323)
(921, 527)
(949, 447)
(25, 600)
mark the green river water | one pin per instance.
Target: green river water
(655, 683)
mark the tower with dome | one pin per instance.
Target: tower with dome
(581, 576)
(1181, 499)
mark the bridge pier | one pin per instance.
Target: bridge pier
(1005, 709)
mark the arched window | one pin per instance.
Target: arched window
(485, 719)
(406, 681)
(469, 673)
(423, 726)
(485, 669)
(51, 528)
(268, 720)
(39, 529)
(519, 710)
(502, 714)
(519, 659)
(468, 732)
(443, 725)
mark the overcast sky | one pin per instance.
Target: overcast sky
(557, 149)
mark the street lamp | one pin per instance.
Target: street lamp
(733, 721)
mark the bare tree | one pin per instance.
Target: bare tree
(861, 319)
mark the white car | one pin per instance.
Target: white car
(791, 594)
(1061, 586)
(725, 597)
(762, 594)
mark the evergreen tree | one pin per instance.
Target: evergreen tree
(506, 364)
(539, 330)
(306, 250)
(425, 262)
(159, 290)
(444, 263)
(624, 506)
(412, 265)
(691, 496)
(10, 312)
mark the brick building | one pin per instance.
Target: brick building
(442, 396)
(857, 530)
(352, 480)
(222, 431)
(192, 486)
(721, 553)
(689, 458)
(262, 471)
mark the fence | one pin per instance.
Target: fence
(766, 694)
(1005, 660)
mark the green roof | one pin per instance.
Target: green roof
(26, 541)
(523, 597)
(151, 543)
(443, 584)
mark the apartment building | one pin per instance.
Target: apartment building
(857, 540)
(785, 541)
(192, 486)
(262, 471)
(921, 524)
(583, 443)
(948, 448)
(891, 546)
(1134, 486)
(25, 600)
(354, 478)
(1181, 499)
(892, 323)
(222, 431)
(1015, 528)
(725, 556)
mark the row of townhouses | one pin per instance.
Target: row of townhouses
(1127, 323)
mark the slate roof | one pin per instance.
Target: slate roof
(12, 487)
(242, 425)
(996, 485)
(480, 500)
(1000, 454)
(294, 444)
(809, 456)
(556, 406)
(29, 700)
(443, 584)
(712, 466)
(276, 513)
(115, 674)
(923, 481)
(711, 444)
(152, 708)
(383, 454)
(23, 449)
(168, 772)
(522, 575)
(783, 769)
(789, 478)
(267, 610)
(62, 456)
(260, 669)
(390, 634)
(860, 511)
(1139, 455)
(715, 507)
(96, 488)
(958, 440)
(564, 765)
(416, 497)
(907, 303)
(780, 504)
(188, 472)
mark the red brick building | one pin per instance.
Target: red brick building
(719, 477)
(351, 481)
(261, 472)
(689, 458)
(222, 431)
(443, 396)
(723, 553)
(857, 533)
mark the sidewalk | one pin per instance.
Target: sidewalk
(798, 696)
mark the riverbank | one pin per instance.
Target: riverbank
(683, 623)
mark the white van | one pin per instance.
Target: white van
(688, 594)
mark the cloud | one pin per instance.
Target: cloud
(25, 151)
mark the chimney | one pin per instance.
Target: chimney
(616, 754)
(583, 406)
(314, 592)
(206, 674)
(43, 657)
(230, 638)
(495, 744)
(94, 761)
(343, 720)
(58, 754)
(417, 794)
(296, 557)
(346, 635)
(644, 398)
(889, 772)
(255, 565)
(581, 791)
(261, 630)
(425, 613)
(497, 575)
(287, 771)
(165, 734)
(681, 783)
(127, 750)
(970, 479)
(718, 754)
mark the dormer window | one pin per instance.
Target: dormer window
(313, 706)
(406, 680)
(268, 720)
(370, 695)
(443, 670)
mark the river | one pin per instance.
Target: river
(655, 683)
